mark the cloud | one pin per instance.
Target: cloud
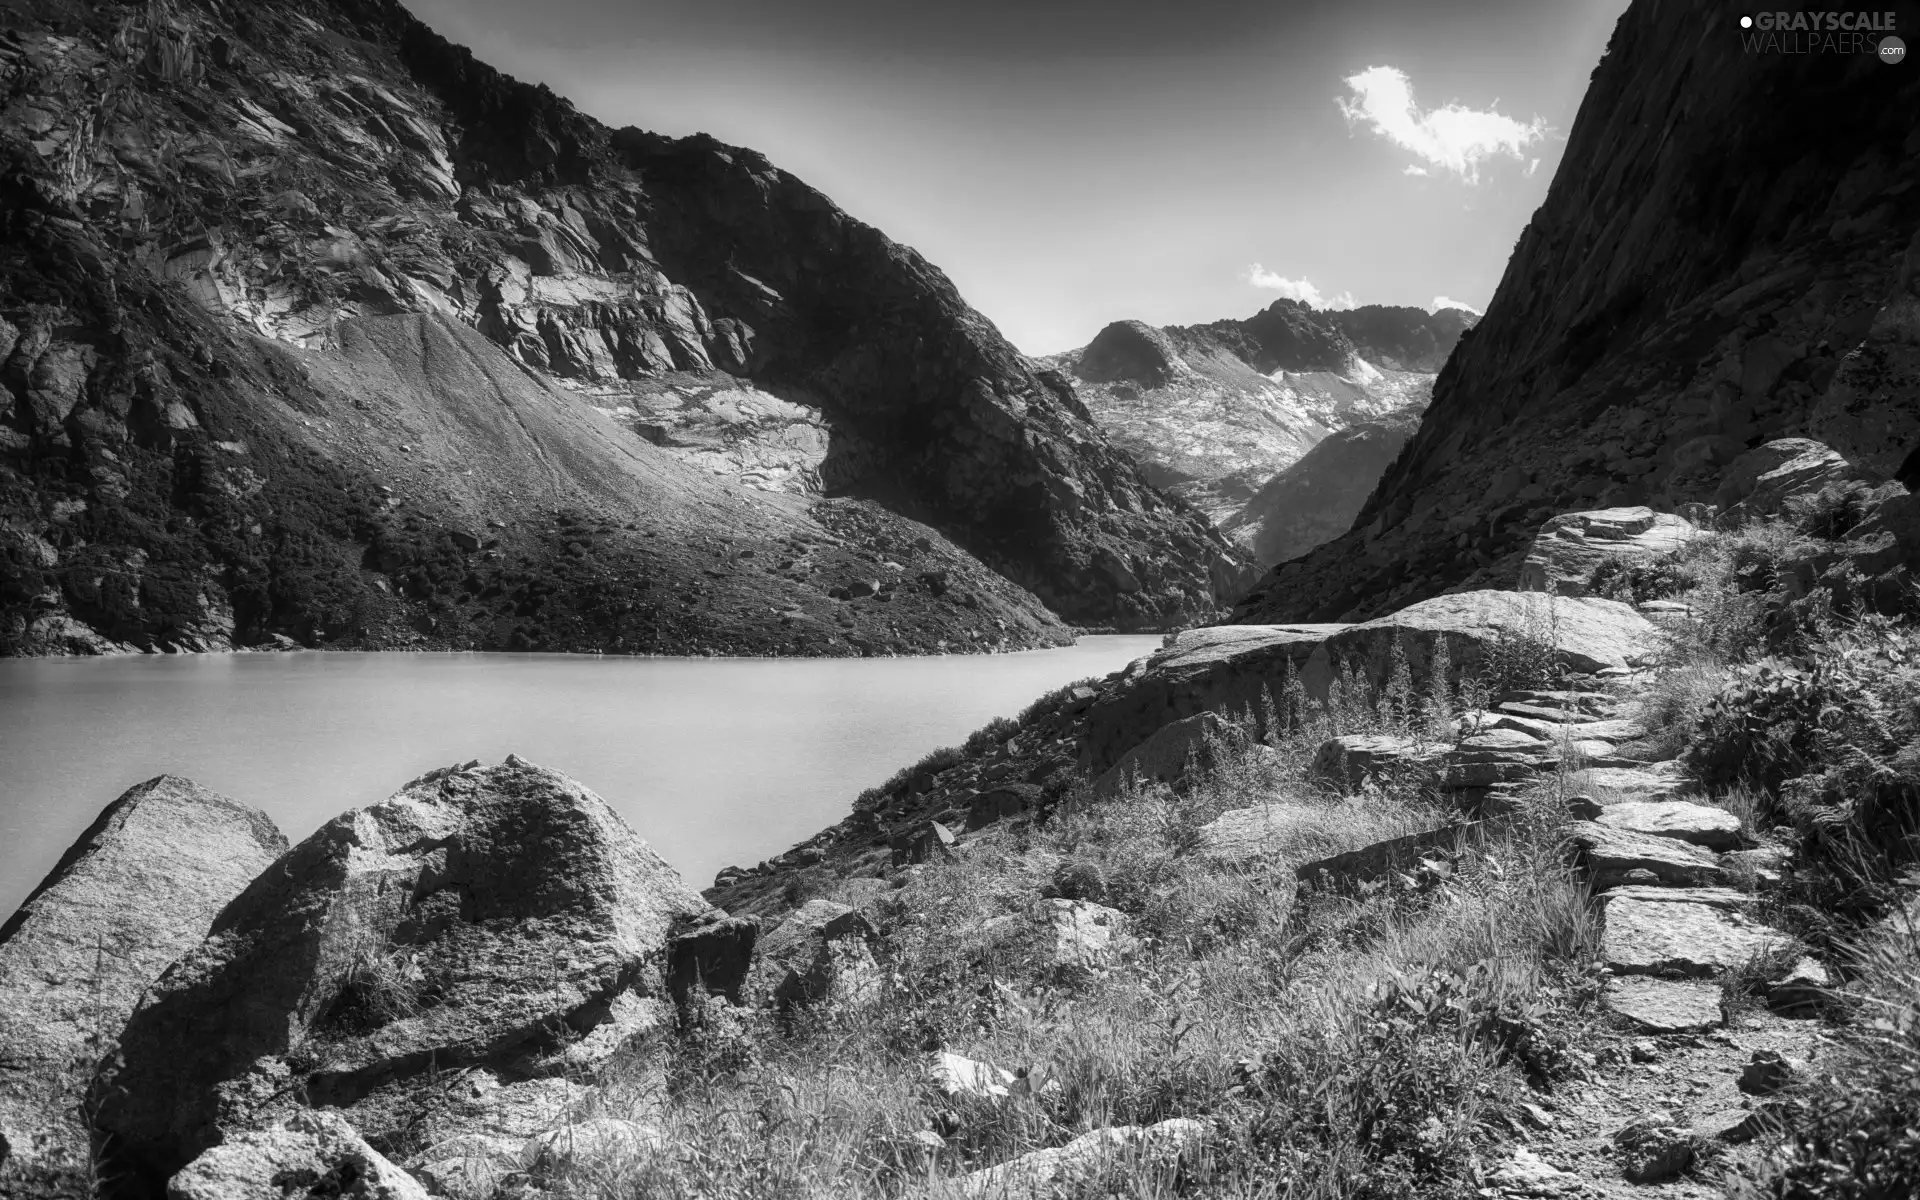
(1454, 138)
(1413, 170)
(1296, 289)
(1440, 302)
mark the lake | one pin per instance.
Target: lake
(713, 761)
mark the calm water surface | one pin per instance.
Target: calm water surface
(713, 761)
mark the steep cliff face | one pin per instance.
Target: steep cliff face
(203, 203)
(1212, 412)
(1314, 500)
(1718, 263)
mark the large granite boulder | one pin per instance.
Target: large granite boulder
(1570, 547)
(1224, 669)
(1587, 635)
(139, 888)
(1169, 752)
(1761, 482)
(501, 918)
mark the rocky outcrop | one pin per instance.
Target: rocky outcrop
(1315, 499)
(502, 920)
(218, 412)
(317, 1152)
(140, 887)
(1211, 412)
(1718, 260)
(1572, 547)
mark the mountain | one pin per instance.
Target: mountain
(1314, 500)
(312, 327)
(1211, 412)
(1723, 258)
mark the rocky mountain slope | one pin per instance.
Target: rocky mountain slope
(246, 248)
(1213, 411)
(1725, 257)
(1314, 500)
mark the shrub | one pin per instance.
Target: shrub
(993, 733)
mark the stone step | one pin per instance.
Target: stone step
(1617, 856)
(1665, 1005)
(1714, 897)
(1700, 824)
(1695, 940)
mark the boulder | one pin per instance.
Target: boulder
(1381, 858)
(1587, 634)
(1086, 936)
(483, 917)
(818, 955)
(1222, 669)
(1130, 1151)
(1665, 1005)
(955, 1075)
(308, 1154)
(1644, 938)
(139, 888)
(602, 1143)
(999, 803)
(1653, 1149)
(1610, 855)
(1700, 824)
(1570, 547)
(1168, 754)
(1351, 762)
(1244, 835)
(1768, 1072)
(1760, 482)
(712, 954)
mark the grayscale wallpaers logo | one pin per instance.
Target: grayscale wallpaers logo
(1823, 33)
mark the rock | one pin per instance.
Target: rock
(1222, 669)
(515, 898)
(1644, 1051)
(842, 975)
(1652, 1150)
(1732, 1126)
(1641, 783)
(1131, 1150)
(1352, 762)
(317, 1153)
(1086, 936)
(1368, 863)
(1763, 863)
(999, 803)
(465, 540)
(1665, 1006)
(1699, 824)
(1244, 835)
(860, 589)
(1536, 1116)
(603, 1144)
(922, 844)
(954, 1075)
(1583, 808)
(1768, 1072)
(1713, 897)
(1644, 938)
(1525, 1173)
(1762, 481)
(139, 887)
(818, 955)
(1802, 989)
(712, 954)
(1170, 753)
(469, 1167)
(1609, 854)
(1570, 547)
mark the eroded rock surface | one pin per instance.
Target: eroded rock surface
(139, 888)
(483, 917)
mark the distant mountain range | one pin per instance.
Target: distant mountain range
(1214, 412)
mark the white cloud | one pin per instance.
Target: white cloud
(1454, 138)
(1440, 302)
(1413, 170)
(1302, 290)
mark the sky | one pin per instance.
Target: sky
(1069, 163)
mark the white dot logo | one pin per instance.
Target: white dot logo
(1746, 22)
(1892, 50)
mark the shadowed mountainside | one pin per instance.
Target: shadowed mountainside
(206, 206)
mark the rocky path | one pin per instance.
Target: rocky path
(1678, 1087)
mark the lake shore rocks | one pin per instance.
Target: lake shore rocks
(482, 917)
(140, 887)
